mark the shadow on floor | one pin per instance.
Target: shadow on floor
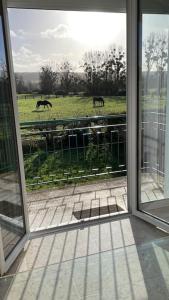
(122, 259)
(97, 211)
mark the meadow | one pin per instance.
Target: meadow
(69, 107)
(54, 165)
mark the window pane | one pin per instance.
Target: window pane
(154, 112)
(11, 211)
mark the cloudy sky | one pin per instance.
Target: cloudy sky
(49, 37)
(155, 23)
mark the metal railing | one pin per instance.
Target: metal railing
(80, 154)
(74, 154)
(153, 146)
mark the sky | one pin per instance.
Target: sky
(49, 37)
(155, 23)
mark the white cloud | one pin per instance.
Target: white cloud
(61, 31)
(13, 34)
(20, 34)
(25, 60)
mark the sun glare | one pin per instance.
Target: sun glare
(95, 29)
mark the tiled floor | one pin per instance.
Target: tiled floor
(150, 190)
(124, 259)
(154, 200)
(72, 204)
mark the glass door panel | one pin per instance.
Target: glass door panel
(154, 111)
(12, 224)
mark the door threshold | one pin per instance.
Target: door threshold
(79, 225)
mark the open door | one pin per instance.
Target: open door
(153, 117)
(13, 222)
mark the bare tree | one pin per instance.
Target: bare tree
(92, 66)
(20, 85)
(66, 76)
(150, 55)
(47, 80)
(156, 56)
(161, 58)
(105, 72)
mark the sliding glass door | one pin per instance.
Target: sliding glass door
(154, 110)
(12, 220)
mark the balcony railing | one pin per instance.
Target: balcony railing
(153, 151)
(74, 155)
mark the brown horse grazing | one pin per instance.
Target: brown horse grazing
(44, 103)
(98, 99)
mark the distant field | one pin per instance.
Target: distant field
(68, 107)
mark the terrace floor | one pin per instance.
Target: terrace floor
(126, 259)
(73, 204)
(55, 207)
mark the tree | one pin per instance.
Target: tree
(105, 72)
(150, 53)
(67, 77)
(20, 85)
(156, 57)
(92, 65)
(161, 58)
(47, 80)
(115, 66)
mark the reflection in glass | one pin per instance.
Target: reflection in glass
(11, 211)
(154, 115)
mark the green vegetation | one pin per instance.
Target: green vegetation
(45, 169)
(68, 107)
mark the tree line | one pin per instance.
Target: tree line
(100, 73)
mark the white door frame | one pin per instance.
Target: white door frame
(133, 117)
(106, 6)
(132, 97)
(6, 263)
(132, 103)
(132, 83)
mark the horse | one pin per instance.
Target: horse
(98, 99)
(44, 103)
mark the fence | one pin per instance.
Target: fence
(153, 145)
(74, 155)
(33, 96)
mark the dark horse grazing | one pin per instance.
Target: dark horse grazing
(44, 103)
(98, 99)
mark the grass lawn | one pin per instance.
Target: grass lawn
(68, 107)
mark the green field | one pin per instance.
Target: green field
(52, 166)
(68, 107)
